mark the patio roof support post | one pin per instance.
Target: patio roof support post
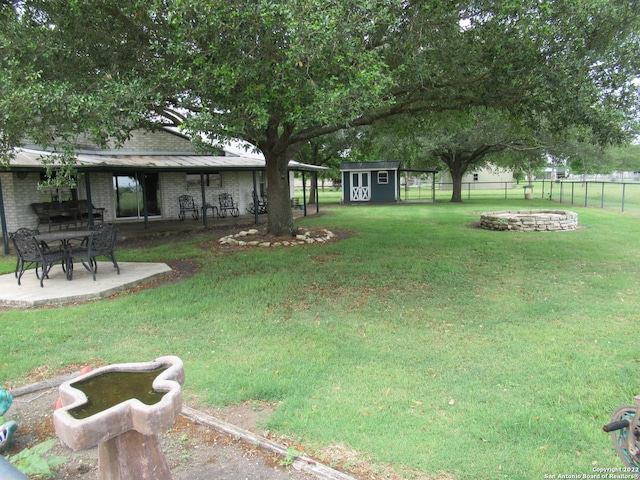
(254, 197)
(204, 200)
(304, 194)
(87, 186)
(3, 222)
(145, 211)
(315, 179)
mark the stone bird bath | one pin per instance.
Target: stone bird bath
(122, 408)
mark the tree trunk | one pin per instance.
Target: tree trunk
(530, 175)
(456, 190)
(457, 168)
(313, 191)
(279, 214)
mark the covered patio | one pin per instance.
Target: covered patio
(141, 181)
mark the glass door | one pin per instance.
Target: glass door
(135, 190)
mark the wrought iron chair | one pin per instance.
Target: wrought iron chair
(259, 204)
(26, 252)
(187, 204)
(101, 243)
(227, 205)
(49, 258)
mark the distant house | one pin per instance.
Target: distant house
(554, 173)
(374, 182)
(484, 178)
(139, 182)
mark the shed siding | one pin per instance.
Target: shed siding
(383, 192)
(346, 187)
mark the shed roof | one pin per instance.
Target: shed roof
(26, 159)
(349, 166)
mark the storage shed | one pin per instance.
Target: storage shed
(375, 182)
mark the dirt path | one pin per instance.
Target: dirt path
(198, 447)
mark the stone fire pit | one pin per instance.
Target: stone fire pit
(123, 408)
(530, 220)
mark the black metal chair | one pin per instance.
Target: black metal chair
(259, 204)
(49, 258)
(26, 252)
(101, 243)
(187, 204)
(227, 205)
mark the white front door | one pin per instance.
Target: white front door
(360, 190)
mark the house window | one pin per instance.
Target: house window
(383, 177)
(210, 180)
(475, 177)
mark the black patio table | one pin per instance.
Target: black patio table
(213, 208)
(64, 237)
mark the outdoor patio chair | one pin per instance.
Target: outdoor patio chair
(227, 205)
(101, 243)
(26, 252)
(49, 258)
(187, 204)
(259, 204)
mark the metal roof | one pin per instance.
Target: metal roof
(345, 167)
(25, 159)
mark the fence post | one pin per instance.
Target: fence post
(433, 187)
(573, 189)
(586, 192)
(624, 185)
(602, 196)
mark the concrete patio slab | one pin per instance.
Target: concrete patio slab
(58, 290)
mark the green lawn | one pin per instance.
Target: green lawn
(419, 340)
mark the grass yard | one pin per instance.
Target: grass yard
(419, 341)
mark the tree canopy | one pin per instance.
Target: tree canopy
(279, 74)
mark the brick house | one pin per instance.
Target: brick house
(138, 182)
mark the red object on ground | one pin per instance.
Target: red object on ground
(83, 370)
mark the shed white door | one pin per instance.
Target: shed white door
(360, 190)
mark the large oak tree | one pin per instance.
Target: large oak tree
(278, 74)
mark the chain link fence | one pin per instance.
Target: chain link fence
(621, 196)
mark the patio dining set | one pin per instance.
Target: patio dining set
(45, 250)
